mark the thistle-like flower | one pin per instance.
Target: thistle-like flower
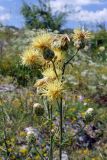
(30, 57)
(41, 82)
(81, 35)
(42, 41)
(38, 109)
(48, 54)
(60, 42)
(53, 90)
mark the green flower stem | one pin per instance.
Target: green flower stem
(67, 62)
(54, 68)
(61, 129)
(51, 136)
(30, 147)
(42, 158)
(60, 108)
(48, 109)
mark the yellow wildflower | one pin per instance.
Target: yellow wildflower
(13, 140)
(37, 157)
(23, 150)
(10, 149)
(12, 157)
(30, 57)
(96, 158)
(86, 151)
(80, 35)
(42, 41)
(41, 82)
(22, 134)
(53, 90)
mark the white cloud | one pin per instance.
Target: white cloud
(65, 4)
(4, 17)
(76, 11)
(89, 16)
(86, 2)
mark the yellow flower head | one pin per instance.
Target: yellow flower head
(80, 35)
(30, 57)
(58, 55)
(23, 150)
(49, 72)
(41, 82)
(53, 90)
(42, 41)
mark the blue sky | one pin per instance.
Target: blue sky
(82, 11)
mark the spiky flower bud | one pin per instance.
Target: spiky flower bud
(89, 114)
(48, 54)
(79, 44)
(38, 109)
(64, 42)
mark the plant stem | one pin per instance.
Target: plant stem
(42, 158)
(51, 137)
(48, 109)
(67, 62)
(54, 68)
(61, 129)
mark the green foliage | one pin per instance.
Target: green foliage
(41, 16)
(10, 66)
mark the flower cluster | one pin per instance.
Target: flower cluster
(50, 50)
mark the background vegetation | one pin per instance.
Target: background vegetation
(87, 79)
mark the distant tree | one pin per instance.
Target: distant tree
(101, 26)
(40, 15)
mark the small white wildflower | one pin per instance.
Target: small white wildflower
(64, 156)
(31, 131)
(85, 103)
(101, 48)
(86, 48)
(104, 77)
(89, 111)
